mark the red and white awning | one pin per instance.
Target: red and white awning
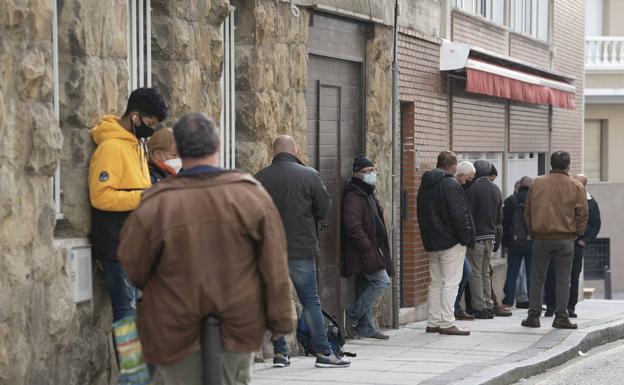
(505, 82)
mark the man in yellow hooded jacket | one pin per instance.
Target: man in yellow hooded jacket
(118, 175)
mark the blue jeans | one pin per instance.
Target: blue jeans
(372, 288)
(462, 284)
(123, 295)
(303, 276)
(514, 261)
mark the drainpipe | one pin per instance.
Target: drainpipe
(395, 173)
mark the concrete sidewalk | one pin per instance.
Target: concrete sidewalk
(498, 351)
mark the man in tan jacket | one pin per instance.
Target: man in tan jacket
(207, 242)
(555, 214)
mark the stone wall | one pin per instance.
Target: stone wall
(187, 55)
(271, 78)
(37, 319)
(379, 129)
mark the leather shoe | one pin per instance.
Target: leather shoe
(563, 322)
(432, 329)
(481, 314)
(454, 331)
(500, 312)
(522, 305)
(380, 336)
(572, 314)
(463, 316)
(549, 312)
(532, 321)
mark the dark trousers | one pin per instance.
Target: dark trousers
(514, 262)
(577, 266)
(462, 284)
(561, 253)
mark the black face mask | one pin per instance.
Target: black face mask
(143, 131)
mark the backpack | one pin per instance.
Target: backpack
(334, 336)
(520, 237)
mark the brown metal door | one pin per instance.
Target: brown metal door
(333, 100)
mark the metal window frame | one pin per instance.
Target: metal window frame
(228, 102)
(139, 44)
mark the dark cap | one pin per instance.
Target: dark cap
(361, 162)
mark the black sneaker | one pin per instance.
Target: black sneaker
(330, 361)
(481, 314)
(350, 326)
(549, 312)
(281, 360)
(522, 305)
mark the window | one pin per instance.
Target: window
(228, 115)
(593, 150)
(139, 44)
(529, 17)
(593, 17)
(489, 9)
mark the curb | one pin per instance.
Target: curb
(542, 359)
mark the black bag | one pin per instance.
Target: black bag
(520, 237)
(334, 336)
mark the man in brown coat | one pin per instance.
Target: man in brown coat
(555, 214)
(207, 242)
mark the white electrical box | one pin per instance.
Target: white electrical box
(79, 272)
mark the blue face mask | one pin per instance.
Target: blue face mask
(371, 178)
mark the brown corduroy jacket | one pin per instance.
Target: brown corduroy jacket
(556, 207)
(210, 243)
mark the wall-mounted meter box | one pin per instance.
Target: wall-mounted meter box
(79, 272)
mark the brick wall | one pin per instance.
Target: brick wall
(568, 41)
(424, 128)
(475, 30)
(529, 50)
(528, 128)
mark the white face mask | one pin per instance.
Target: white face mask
(371, 178)
(175, 163)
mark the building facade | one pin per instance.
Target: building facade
(442, 108)
(603, 135)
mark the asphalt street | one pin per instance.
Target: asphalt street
(601, 366)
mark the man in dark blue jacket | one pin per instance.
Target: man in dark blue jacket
(446, 228)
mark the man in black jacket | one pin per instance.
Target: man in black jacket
(486, 204)
(302, 200)
(591, 232)
(516, 239)
(446, 228)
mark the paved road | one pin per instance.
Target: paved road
(601, 366)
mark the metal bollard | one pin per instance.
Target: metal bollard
(607, 282)
(210, 351)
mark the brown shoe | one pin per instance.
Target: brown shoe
(563, 322)
(500, 312)
(454, 331)
(432, 329)
(532, 321)
(461, 315)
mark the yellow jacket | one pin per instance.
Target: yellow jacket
(118, 172)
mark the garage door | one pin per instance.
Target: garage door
(334, 137)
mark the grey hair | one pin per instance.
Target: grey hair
(196, 136)
(465, 168)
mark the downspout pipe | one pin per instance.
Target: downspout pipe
(395, 174)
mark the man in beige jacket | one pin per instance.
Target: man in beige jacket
(555, 214)
(206, 242)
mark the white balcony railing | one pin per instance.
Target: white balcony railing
(604, 53)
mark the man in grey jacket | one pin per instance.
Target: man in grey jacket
(302, 200)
